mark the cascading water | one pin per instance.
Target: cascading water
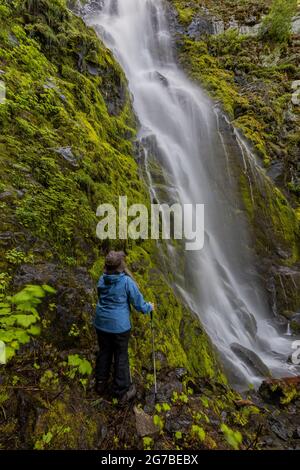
(180, 129)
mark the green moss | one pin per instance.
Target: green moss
(185, 12)
(274, 221)
(206, 69)
(254, 131)
(59, 427)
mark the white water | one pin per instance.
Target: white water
(179, 127)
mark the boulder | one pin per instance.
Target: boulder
(251, 358)
(144, 423)
(282, 390)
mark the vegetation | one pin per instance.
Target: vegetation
(277, 24)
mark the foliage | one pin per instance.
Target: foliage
(45, 441)
(234, 438)
(199, 432)
(277, 24)
(159, 422)
(162, 407)
(19, 316)
(79, 365)
(179, 397)
(147, 443)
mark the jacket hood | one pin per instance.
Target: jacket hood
(112, 278)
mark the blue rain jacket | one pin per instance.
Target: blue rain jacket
(116, 292)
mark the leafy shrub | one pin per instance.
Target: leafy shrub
(277, 24)
(19, 316)
(79, 365)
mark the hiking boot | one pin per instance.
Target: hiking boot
(101, 387)
(128, 396)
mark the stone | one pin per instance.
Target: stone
(251, 358)
(280, 431)
(179, 422)
(276, 170)
(144, 423)
(199, 26)
(296, 434)
(296, 25)
(67, 154)
(180, 373)
(92, 70)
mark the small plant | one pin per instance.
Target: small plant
(180, 397)
(49, 380)
(147, 443)
(160, 407)
(178, 435)
(45, 441)
(200, 416)
(4, 283)
(277, 24)
(159, 422)
(16, 257)
(234, 438)
(19, 316)
(205, 402)
(74, 331)
(198, 432)
(78, 365)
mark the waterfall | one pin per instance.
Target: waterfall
(180, 130)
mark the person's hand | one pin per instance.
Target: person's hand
(152, 306)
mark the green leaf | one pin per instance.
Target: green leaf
(48, 289)
(34, 330)
(74, 360)
(22, 336)
(10, 352)
(199, 432)
(25, 320)
(5, 311)
(85, 368)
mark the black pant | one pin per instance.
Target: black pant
(113, 346)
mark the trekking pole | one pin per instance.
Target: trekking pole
(153, 355)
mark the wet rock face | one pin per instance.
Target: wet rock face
(286, 287)
(251, 359)
(201, 25)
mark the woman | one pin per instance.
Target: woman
(117, 291)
